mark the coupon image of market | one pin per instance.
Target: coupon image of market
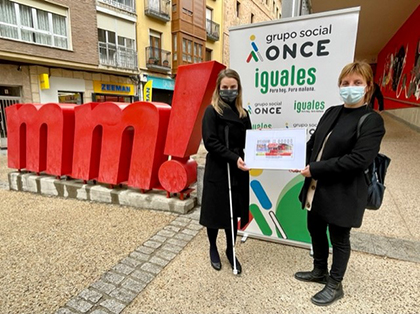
(275, 148)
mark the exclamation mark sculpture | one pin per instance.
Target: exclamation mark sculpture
(194, 87)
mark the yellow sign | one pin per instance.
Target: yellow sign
(113, 88)
(44, 81)
(147, 91)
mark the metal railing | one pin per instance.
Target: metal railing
(158, 58)
(117, 56)
(126, 5)
(213, 30)
(159, 9)
(5, 102)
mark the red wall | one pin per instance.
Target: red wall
(398, 67)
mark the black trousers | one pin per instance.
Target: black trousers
(340, 240)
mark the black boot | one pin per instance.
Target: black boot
(332, 291)
(316, 275)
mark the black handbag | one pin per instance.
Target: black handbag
(375, 175)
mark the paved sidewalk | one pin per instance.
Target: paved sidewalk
(167, 269)
(119, 286)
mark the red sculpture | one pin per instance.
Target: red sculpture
(194, 88)
(40, 137)
(144, 144)
(120, 143)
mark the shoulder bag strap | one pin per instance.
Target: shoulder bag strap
(359, 125)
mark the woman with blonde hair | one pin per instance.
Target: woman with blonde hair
(224, 127)
(335, 188)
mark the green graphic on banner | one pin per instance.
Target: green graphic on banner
(259, 218)
(290, 213)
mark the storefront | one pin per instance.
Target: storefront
(162, 89)
(114, 92)
(62, 90)
(70, 97)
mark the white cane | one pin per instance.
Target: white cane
(235, 271)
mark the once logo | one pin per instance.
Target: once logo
(254, 54)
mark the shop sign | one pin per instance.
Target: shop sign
(113, 88)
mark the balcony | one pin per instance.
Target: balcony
(117, 56)
(126, 5)
(158, 60)
(158, 9)
(213, 30)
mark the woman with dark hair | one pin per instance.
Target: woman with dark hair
(224, 127)
(335, 188)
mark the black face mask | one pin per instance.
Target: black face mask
(228, 95)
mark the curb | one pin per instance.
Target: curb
(76, 189)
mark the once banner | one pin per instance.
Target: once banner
(289, 70)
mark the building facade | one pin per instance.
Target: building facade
(241, 12)
(154, 44)
(214, 27)
(66, 52)
(117, 51)
(182, 32)
(174, 33)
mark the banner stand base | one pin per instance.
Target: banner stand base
(302, 245)
(244, 237)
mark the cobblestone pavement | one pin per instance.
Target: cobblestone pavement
(119, 286)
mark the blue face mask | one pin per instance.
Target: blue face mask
(351, 95)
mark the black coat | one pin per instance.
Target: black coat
(341, 193)
(215, 208)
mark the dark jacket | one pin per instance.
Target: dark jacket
(215, 208)
(341, 193)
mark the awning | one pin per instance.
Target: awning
(162, 83)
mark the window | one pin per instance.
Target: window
(187, 5)
(175, 42)
(112, 98)
(70, 97)
(209, 14)
(107, 46)
(209, 19)
(24, 23)
(252, 18)
(238, 5)
(192, 51)
(128, 5)
(155, 44)
(116, 50)
(126, 51)
(208, 54)
(125, 42)
(198, 53)
(186, 50)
